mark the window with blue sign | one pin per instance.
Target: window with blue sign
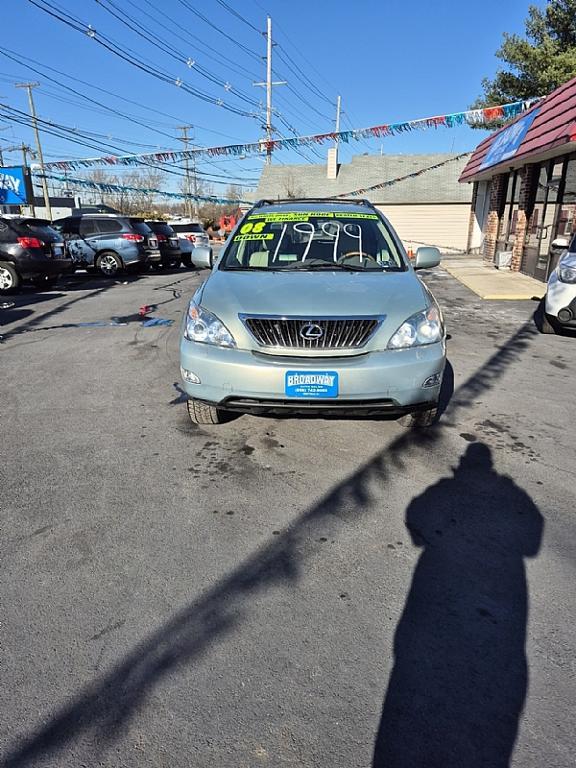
(506, 144)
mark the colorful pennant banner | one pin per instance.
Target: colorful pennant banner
(413, 175)
(469, 117)
(105, 187)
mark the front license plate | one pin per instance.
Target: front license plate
(310, 384)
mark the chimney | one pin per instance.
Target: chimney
(332, 166)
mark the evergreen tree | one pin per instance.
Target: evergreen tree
(539, 62)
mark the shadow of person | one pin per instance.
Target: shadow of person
(459, 679)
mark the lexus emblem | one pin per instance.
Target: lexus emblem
(311, 332)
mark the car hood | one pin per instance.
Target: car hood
(394, 295)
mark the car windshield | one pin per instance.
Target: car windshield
(37, 227)
(141, 227)
(188, 228)
(312, 241)
(160, 228)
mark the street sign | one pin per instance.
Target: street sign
(507, 143)
(15, 186)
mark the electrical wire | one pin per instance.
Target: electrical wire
(134, 61)
(168, 49)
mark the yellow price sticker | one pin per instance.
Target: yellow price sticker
(252, 236)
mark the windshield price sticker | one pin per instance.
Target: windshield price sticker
(271, 218)
(255, 236)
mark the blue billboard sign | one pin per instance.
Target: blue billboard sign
(507, 143)
(15, 186)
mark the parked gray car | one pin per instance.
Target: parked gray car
(314, 308)
(194, 243)
(108, 242)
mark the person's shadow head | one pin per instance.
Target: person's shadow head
(458, 684)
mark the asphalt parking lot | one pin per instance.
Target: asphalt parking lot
(281, 592)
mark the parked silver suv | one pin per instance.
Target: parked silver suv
(313, 307)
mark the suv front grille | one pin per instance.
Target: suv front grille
(312, 333)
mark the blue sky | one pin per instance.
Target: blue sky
(390, 61)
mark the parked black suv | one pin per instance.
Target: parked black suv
(168, 242)
(30, 250)
(108, 242)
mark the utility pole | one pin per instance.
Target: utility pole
(29, 87)
(269, 85)
(188, 203)
(338, 105)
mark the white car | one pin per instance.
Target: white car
(560, 301)
(194, 243)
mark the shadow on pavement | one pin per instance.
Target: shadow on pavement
(99, 713)
(460, 673)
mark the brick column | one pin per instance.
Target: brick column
(472, 218)
(527, 177)
(497, 192)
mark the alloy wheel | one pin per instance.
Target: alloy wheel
(6, 280)
(108, 264)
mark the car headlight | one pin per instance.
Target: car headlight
(422, 328)
(567, 274)
(206, 328)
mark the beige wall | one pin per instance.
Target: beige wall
(444, 225)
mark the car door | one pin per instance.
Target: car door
(69, 229)
(87, 241)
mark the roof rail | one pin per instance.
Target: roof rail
(355, 200)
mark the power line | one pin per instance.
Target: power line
(135, 61)
(170, 50)
(207, 21)
(215, 56)
(21, 59)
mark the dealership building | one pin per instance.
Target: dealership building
(523, 181)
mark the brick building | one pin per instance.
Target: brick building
(524, 185)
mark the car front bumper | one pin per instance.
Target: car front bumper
(560, 302)
(243, 380)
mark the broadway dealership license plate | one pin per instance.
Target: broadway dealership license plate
(311, 384)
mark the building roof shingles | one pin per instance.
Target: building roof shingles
(437, 186)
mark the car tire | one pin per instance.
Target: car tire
(9, 278)
(109, 264)
(420, 419)
(202, 413)
(158, 266)
(187, 261)
(547, 324)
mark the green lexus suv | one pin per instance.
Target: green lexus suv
(314, 308)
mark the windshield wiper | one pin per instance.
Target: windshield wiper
(316, 265)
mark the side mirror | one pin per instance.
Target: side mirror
(427, 257)
(560, 244)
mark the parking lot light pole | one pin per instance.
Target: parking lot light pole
(29, 87)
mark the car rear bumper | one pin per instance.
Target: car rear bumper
(390, 380)
(31, 268)
(152, 256)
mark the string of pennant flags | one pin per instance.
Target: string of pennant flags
(103, 186)
(472, 117)
(106, 187)
(398, 179)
